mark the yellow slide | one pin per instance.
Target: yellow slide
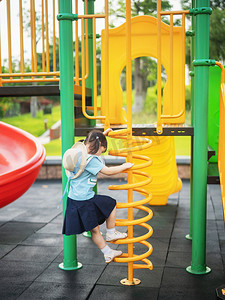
(163, 170)
(144, 43)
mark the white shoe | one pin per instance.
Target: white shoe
(109, 257)
(115, 236)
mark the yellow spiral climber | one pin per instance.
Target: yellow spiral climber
(134, 144)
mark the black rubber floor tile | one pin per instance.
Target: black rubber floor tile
(51, 228)
(182, 223)
(176, 278)
(5, 249)
(86, 256)
(2, 223)
(38, 215)
(187, 294)
(185, 245)
(159, 244)
(180, 232)
(123, 293)
(83, 241)
(17, 272)
(161, 223)
(33, 253)
(211, 225)
(8, 213)
(181, 244)
(16, 232)
(220, 225)
(87, 275)
(57, 220)
(178, 259)
(183, 213)
(114, 273)
(167, 211)
(44, 291)
(183, 259)
(44, 239)
(162, 233)
(12, 291)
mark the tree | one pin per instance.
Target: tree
(144, 66)
(216, 29)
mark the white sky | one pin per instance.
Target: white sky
(99, 7)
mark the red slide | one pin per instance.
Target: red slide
(21, 157)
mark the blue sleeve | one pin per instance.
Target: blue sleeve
(94, 165)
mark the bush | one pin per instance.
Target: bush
(188, 97)
(47, 109)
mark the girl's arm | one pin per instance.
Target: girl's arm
(117, 169)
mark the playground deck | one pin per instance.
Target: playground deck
(31, 248)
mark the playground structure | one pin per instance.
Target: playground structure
(111, 111)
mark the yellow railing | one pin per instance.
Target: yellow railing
(34, 74)
(221, 148)
(160, 116)
(85, 57)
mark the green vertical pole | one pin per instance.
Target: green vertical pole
(65, 18)
(198, 264)
(189, 236)
(89, 83)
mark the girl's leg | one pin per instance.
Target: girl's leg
(109, 254)
(111, 221)
(98, 238)
(111, 233)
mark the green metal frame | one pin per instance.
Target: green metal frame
(70, 261)
(200, 145)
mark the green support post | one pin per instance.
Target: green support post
(89, 81)
(65, 18)
(198, 264)
(189, 236)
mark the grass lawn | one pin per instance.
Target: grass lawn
(35, 126)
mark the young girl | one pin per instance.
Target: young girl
(85, 210)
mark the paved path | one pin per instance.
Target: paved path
(31, 247)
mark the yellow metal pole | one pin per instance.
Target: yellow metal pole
(43, 37)
(159, 121)
(107, 61)
(94, 67)
(31, 35)
(184, 54)
(34, 37)
(47, 36)
(21, 39)
(76, 47)
(86, 43)
(54, 46)
(171, 63)
(129, 137)
(9, 36)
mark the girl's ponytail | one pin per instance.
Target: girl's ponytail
(95, 140)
